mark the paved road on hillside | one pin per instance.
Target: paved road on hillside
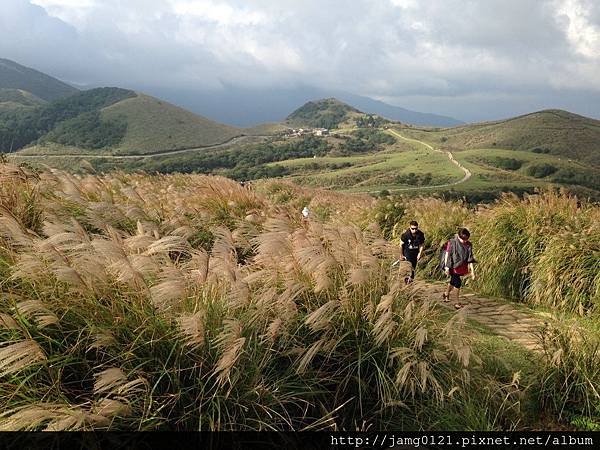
(450, 157)
(233, 141)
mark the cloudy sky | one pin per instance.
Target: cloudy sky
(473, 60)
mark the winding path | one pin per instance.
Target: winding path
(450, 157)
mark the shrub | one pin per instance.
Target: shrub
(505, 163)
(541, 170)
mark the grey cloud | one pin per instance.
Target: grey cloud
(437, 53)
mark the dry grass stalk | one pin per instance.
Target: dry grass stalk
(228, 359)
(37, 310)
(320, 318)
(101, 339)
(172, 287)
(113, 381)
(192, 328)
(8, 323)
(20, 355)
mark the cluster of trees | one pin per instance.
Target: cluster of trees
(243, 173)
(246, 163)
(413, 179)
(504, 163)
(586, 178)
(540, 150)
(22, 127)
(370, 121)
(88, 130)
(541, 170)
(366, 140)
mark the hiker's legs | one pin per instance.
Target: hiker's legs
(449, 288)
(455, 283)
(413, 262)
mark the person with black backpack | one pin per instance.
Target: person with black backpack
(412, 243)
(456, 260)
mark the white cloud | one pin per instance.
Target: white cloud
(582, 34)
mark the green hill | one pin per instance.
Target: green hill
(326, 113)
(16, 76)
(73, 120)
(112, 121)
(554, 132)
(154, 125)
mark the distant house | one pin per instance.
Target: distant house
(321, 132)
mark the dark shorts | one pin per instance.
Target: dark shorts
(455, 281)
(412, 258)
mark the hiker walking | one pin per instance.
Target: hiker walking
(412, 243)
(457, 260)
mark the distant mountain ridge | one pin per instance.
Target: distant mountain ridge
(16, 76)
(403, 115)
(249, 107)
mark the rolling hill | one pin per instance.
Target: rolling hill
(154, 125)
(556, 132)
(112, 121)
(325, 113)
(16, 76)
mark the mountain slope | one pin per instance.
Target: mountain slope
(16, 76)
(556, 132)
(153, 125)
(109, 121)
(72, 120)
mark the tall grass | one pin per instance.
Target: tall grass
(141, 302)
(570, 376)
(544, 249)
(115, 316)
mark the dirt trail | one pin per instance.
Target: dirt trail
(503, 319)
(450, 157)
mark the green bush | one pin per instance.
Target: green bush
(505, 163)
(541, 170)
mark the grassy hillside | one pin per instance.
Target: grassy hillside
(11, 99)
(154, 125)
(326, 113)
(188, 302)
(556, 132)
(16, 76)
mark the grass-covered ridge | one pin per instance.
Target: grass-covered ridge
(191, 302)
(154, 125)
(559, 133)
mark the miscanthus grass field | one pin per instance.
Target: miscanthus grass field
(189, 302)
